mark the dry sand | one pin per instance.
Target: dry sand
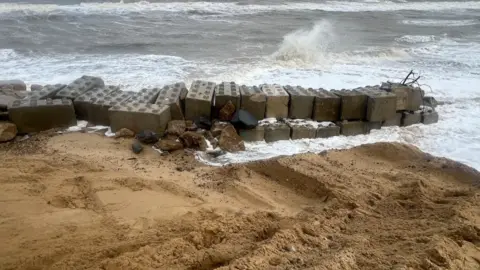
(83, 201)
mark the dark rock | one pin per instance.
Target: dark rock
(193, 140)
(169, 145)
(216, 152)
(217, 128)
(230, 141)
(137, 147)
(147, 137)
(244, 120)
(8, 131)
(124, 133)
(176, 127)
(203, 122)
(227, 111)
(430, 102)
(190, 125)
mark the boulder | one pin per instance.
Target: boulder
(430, 102)
(190, 125)
(244, 120)
(176, 127)
(8, 131)
(137, 147)
(217, 128)
(147, 137)
(227, 111)
(36, 87)
(230, 141)
(169, 145)
(194, 140)
(124, 133)
(203, 123)
(16, 85)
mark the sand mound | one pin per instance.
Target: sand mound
(82, 201)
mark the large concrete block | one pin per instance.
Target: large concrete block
(253, 135)
(301, 102)
(38, 115)
(146, 95)
(381, 105)
(394, 121)
(411, 118)
(80, 86)
(373, 125)
(7, 96)
(139, 116)
(302, 129)
(352, 128)
(174, 96)
(353, 105)
(277, 101)
(47, 91)
(224, 92)
(16, 85)
(253, 100)
(84, 102)
(429, 117)
(198, 102)
(98, 110)
(326, 106)
(276, 131)
(408, 98)
(327, 130)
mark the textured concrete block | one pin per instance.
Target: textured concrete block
(411, 118)
(98, 110)
(198, 102)
(174, 96)
(326, 106)
(253, 135)
(415, 99)
(327, 130)
(277, 101)
(224, 92)
(354, 104)
(301, 102)
(373, 125)
(352, 128)
(408, 97)
(139, 116)
(39, 115)
(429, 117)
(16, 85)
(276, 131)
(80, 86)
(301, 129)
(7, 96)
(394, 121)
(253, 100)
(47, 91)
(381, 105)
(146, 95)
(84, 102)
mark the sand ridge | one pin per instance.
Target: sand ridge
(83, 201)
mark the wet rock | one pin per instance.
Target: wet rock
(227, 111)
(190, 125)
(176, 127)
(430, 102)
(217, 128)
(230, 141)
(8, 131)
(194, 140)
(244, 120)
(203, 122)
(137, 147)
(124, 133)
(216, 152)
(169, 145)
(36, 87)
(147, 137)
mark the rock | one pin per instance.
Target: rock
(176, 127)
(230, 141)
(227, 111)
(8, 131)
(193, 140)
(169, 145)
(217, 128)
(137, 147)
(124, 133)
(190, 125)
(430, 102)
(36, 87)
(16, 85)
(203, 122)
(147, 137)
(215, 153)
(244, 120)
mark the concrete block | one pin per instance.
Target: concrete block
(429, 117)
(253, 100)
(394, 121)
(381, 105)
(139, 117)
(408, 97)
(301, 102)
(38, 115)
(326, 106)
(198, 102)
(253, 135)
(16, 85)
(276, 131)
(80, 86)
(174, 96)
(373, 125)
(327, 130)
(84, 102)
(352, 128)
(224, 92)
(7, 96)
(411, 118)
(98, 110)
(47, 91)
(415, 99)
(277, 101)
(353, 105)
(146, 95)
(302, 129)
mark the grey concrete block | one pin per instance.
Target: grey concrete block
(354, 104)
(301, 102)
(80, 86)
(352, 128)
(16, 85)
(253, 135)
(198, 102)
(326, 106)
(429, 117)
(253, 100)
(408, 97)
(174, 96)
(301, 129)
(327, 130)
(373, 125)
(394, 121)
(7, 96)
(411, 118)
(276, 131)
(84, 102)
(277, 101)
(146, 95)
(98, 110)
(47, 91)
(381, 105)
(38, 115)
(224, 92)
(139, 116)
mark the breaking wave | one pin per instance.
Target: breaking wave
(445, 23)
(415, 39)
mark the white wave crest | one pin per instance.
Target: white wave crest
(445, 23)
(415, 39)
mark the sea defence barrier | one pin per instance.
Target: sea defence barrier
(269, 112)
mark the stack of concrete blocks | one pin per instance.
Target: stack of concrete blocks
(146, 95)
(173, 95)
(139, 116)
(84, 103)
(327, 129)
(39, 115)
(301, 102)
(275, 130)
(80, 86)
(198, 102)
(47, 91)
(98, 110)
(381, 107)
(326, 106)
(277, 101)
(409, 100)
(225, 92)
(253, 100)
(302, 129)
(353, 110)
